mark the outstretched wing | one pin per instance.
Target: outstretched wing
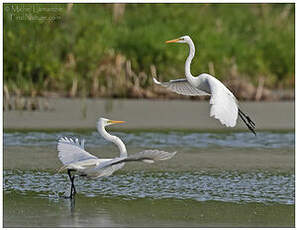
(71, 151)
(147, 156)
(181, 86)
(223, 103)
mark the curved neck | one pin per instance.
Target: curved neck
(116, 140)
(188, 74)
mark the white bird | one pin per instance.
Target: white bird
(75, 158)
(224, 106)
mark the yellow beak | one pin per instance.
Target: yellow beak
(171, 41)
(116, 122)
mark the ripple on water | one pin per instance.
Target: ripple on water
(160, 140)
(263, 187)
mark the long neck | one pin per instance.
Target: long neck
(116, 140)
(188, 74)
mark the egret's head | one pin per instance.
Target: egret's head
(182, 39)
(105, 122)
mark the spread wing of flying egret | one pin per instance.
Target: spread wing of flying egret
(224, 105)
(76, 159)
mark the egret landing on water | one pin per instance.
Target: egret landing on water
(224, 106)
(76, 159)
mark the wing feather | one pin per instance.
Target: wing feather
(71, 151)
(147, 156)
(223, 103)
(181, 86)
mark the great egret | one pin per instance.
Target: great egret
(75, 158)
(224, 106)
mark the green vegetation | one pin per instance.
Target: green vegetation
(82, 50)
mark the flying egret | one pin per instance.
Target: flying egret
(224, 106)
(76, 159)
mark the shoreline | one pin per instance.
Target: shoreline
(144, 114)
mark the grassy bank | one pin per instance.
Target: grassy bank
(107, 50)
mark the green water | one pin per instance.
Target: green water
(215, 180)
(31, 210)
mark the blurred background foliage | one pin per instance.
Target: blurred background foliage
(112, 50)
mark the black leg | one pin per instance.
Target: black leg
(72, 190)
(73, 187)
(247, 120)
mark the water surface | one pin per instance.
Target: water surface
(215, 180)
(160, 139)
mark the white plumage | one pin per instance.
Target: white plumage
(70, 151)
(224, 106)
(223, 103)
(74, 157)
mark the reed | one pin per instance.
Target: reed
(106, 50)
